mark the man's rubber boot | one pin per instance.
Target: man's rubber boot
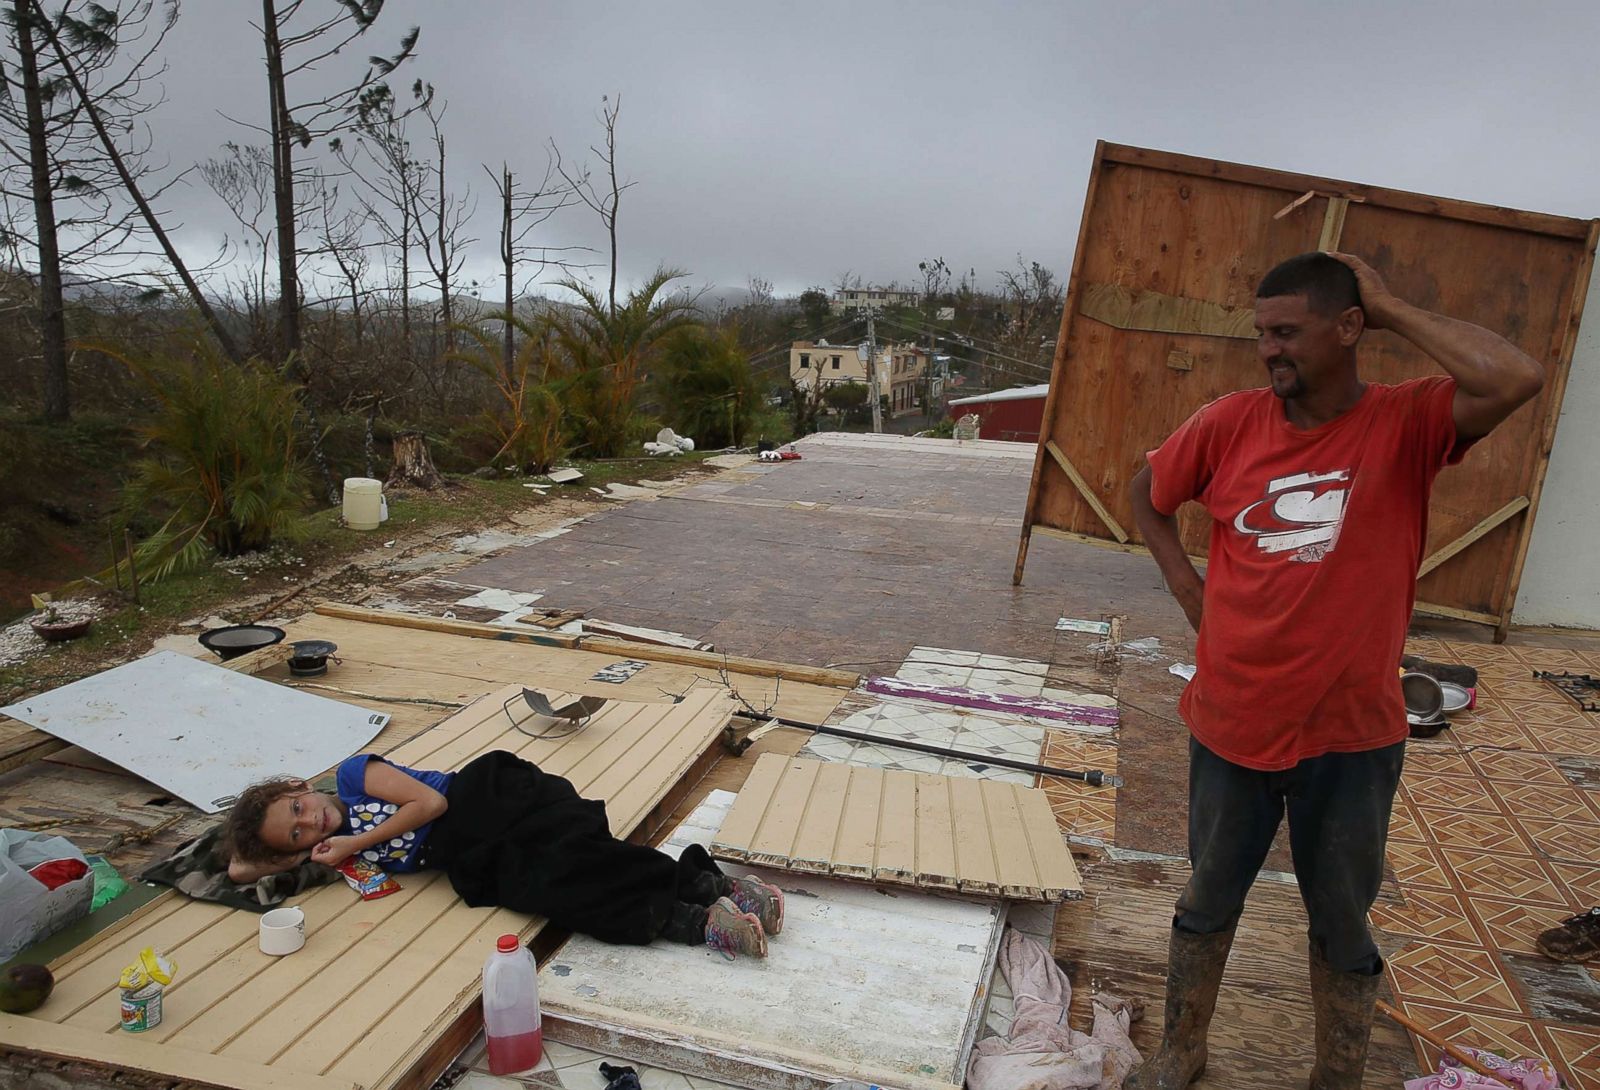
(1194, 973)
(1344, 1003)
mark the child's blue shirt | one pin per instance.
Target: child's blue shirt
(399, 854)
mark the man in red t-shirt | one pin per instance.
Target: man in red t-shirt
(1318, 491)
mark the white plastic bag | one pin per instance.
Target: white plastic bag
(29, 911)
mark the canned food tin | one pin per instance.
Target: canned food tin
(141, 1009)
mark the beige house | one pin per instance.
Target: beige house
(871, 299)
(902, 370)
(829, 363)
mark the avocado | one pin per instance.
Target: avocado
(24, 988)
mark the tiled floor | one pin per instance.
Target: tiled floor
(935, 725)
(1004, 675)
(1495, 837)
(1082, 812)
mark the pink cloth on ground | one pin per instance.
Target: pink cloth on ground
(1042, 1051)
(1527, 1073)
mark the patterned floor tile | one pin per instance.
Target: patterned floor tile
(1482, 831)
(1403, 823)
(1512, 925)
(1417, 865)
(1533, 716)
(1582, 884)
(1449, 792)
(1084, 814)
(1499, 764)
(1555, 660)
(1490, 732)
(1577, 1055)
(1546, 800)
(1528, 690)
(1567, 841)
(1441, 760)
(1479, 654)
(1512, 1035)
(1502, 876)
(1427, 914)
(1069, 749)
(1577, 741)
(1460, 975)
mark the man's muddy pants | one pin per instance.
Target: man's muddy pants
(1338, 807)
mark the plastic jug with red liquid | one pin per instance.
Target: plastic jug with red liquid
(511, 1008)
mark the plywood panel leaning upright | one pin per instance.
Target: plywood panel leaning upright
(1157, 324)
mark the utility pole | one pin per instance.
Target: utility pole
(872, 373)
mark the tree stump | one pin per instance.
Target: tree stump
(413, 465)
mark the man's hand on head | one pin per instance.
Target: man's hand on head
(1377, 301)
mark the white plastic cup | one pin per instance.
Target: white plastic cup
(283, 931)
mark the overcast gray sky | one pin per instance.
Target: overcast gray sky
(796, 141)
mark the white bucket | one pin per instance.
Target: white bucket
(363, 503)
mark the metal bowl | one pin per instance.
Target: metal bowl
(1423, 695)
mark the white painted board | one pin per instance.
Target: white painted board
(199, 731)
(863, 979)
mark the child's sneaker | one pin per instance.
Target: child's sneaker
(731, 932)
(761, 899)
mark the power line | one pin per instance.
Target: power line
(1035, 366)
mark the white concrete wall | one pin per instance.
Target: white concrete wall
(1561, 580)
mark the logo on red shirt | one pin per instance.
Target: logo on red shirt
(1301, 515)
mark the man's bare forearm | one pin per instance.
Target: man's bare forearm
(1161, 537)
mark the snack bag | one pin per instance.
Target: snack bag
(367, 879)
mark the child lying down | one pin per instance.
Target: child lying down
(506, 834)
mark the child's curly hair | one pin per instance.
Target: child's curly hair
(241, 832)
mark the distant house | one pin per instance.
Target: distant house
(828, 363)
(902, 370)
(848, 299)
(1013, 415)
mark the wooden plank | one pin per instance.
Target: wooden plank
(1084, 490)
(814, 846)
(1013, 851)
(739, 832)
(856, 844)
(1489, 523)
(916, 829)
(975, 860)
(1547, 437)
(1332, 224)
(897, 830)
(449, 627)
(1289, 181)
(815, 675)
(936, 835)
(130, 1051)
(1159, 312)
(775, 838)
(1058, 875)
(1473, 615)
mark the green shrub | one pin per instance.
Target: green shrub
(527, 423)
(222, 468)
(710, 392)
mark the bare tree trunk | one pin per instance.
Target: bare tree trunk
(282, 188)
(413, 464)
(444, 252)
(405, 279)
(52, 309)
(218, 330)
(508, 257)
